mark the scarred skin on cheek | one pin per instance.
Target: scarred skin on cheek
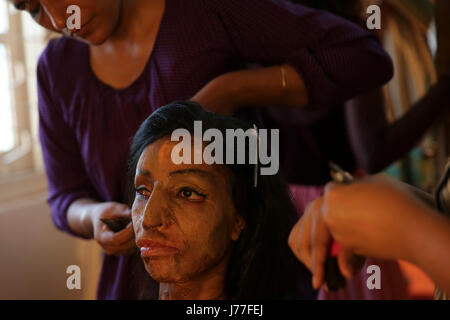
(181, 206)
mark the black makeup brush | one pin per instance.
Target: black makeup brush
(116, 224)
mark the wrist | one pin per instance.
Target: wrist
(86, 221)
(418, 231)
(88, 213)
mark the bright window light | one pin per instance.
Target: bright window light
(6, 120)
(4, 26)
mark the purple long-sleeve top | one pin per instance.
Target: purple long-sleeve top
(86, 126)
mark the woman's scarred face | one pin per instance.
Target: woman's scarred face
(98, 18)
(183, 215)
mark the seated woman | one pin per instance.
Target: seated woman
(205, 231)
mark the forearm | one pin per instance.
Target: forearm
(79, 217)
(267, 87)
(366, 126)
(430, 247)
(377, 143)
(406, 132)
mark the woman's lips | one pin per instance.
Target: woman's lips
(152, 248)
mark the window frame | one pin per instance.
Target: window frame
(24, 156)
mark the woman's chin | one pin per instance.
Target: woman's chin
(159, 269)
(162, 277)
(95, 39)
(93, 36)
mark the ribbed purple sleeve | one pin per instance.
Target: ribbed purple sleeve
(66, 176)
(377, 143)
(336, 58)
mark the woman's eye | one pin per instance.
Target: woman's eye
(191, 195)
(20, 5)
(142, 193)
(25, 5)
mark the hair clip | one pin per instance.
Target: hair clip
(255, 173)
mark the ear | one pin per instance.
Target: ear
(237, 226)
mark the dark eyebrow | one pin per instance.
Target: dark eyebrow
(144, 172)
(191, 171)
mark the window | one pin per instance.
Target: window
(6, 136)
(21, 42)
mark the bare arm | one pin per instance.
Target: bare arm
(256, 87)
(327, 59)
(376, 142)
(264, 87)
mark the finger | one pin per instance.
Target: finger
(304, 240)
(295, 236)
(353, 262)
(126, 249)
(124, 235)
(320, 242)
(110, 238)
(349, 263)
(120, 250)
(344, 262)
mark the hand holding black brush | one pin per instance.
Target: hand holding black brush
(116, 224)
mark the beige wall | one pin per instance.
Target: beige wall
(34, 255)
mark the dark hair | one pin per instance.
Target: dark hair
(262, 265)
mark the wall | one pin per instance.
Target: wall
(34, 255)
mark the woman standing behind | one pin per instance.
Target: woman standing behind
(136, 55)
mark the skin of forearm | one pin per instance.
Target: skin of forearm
(79, 217)
(430, 245)
(376, 142)
(264, 87)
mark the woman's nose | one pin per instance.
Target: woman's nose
(55, 13)
(153, 212)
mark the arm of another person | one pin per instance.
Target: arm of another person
(376, 142)
(72, 198)
(375, 217)
(327, 59)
